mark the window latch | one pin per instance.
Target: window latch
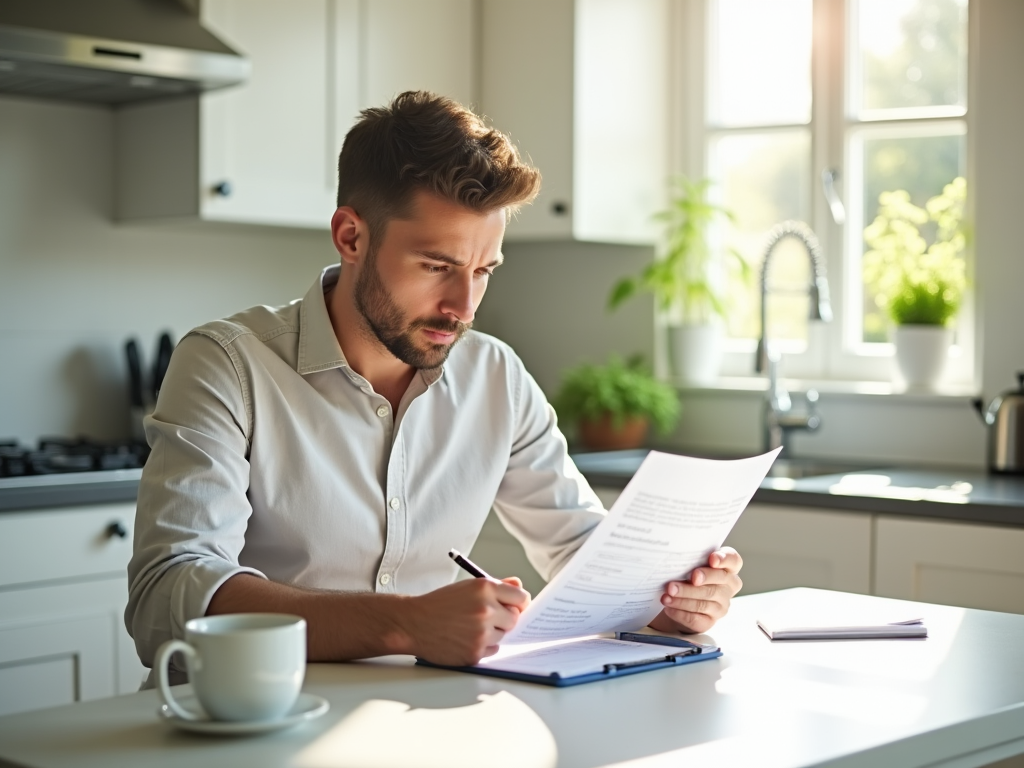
(829, 176)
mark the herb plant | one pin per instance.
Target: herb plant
(620, 389)
(915, 282)
(683, 280)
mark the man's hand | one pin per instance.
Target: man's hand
(694, 606)
(463, 622)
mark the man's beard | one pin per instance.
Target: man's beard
(387, 322)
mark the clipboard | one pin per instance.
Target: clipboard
(665, 652)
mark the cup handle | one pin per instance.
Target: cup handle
(163, 658)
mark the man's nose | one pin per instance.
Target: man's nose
(460, 298)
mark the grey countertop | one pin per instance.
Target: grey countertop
(65, 490)
(953, 493)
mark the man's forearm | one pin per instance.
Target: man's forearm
(339, 625)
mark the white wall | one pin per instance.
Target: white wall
(74, 286)
(548, 301)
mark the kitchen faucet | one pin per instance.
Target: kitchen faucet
(779, 419)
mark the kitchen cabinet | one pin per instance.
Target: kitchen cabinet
(265, 152)
(975, 566)
(786, 547)
(413, 45)
(582, 87)
(63, 591)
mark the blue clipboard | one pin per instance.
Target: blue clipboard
(677, 653)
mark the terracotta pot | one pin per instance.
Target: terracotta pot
(601, 435)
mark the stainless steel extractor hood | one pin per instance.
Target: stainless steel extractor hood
(111, 51)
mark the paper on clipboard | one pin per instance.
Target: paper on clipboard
(674, 513)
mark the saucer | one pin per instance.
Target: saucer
(306, 707)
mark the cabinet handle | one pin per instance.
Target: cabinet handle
(223, 189)
(117, 528)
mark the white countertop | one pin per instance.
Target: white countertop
(954, 699)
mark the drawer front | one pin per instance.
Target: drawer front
(66, 543)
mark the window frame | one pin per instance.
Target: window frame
(832, 353)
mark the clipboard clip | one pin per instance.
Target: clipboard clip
(672, 658)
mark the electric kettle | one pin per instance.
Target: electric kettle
(1005, 420)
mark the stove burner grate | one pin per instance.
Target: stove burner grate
(59, 455)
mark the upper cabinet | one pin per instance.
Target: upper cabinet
(412, 45)
(266, 152)
(582, 87)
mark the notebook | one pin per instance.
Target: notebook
(791, 628)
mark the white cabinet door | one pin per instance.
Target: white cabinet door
(63, 591)
(581, 86)
(419, 45)
(794, 547)
(271, 139)
(527, 92)
(65, 642)
(974, 566)
(46, 663)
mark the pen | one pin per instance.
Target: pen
(469, 566)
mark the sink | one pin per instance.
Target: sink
(795, 469)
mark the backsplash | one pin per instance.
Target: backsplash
(74, 285)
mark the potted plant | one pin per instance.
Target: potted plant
(919, 285)
(687, 281)
(613, 405)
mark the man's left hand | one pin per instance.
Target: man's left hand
(694, 606)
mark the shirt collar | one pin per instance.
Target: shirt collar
(319, 349)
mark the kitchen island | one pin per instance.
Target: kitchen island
(955, 698)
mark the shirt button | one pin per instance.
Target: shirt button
(395, 503)
(382, 411)
(385, 579)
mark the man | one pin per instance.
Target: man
(321, 458)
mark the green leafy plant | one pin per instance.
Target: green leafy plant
(620, 389)
(683, 278)
(915, 282)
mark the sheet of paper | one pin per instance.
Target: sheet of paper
(675, 512)
(570, 658)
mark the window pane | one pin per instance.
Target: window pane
(764, 178)
(911, 54)
(921, 165)
(760, 62)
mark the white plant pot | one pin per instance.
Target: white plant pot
(921, 354)
(696, 353)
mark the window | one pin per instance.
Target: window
(783, 96)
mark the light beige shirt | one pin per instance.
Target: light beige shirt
(272, 456)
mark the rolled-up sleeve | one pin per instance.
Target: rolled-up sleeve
(192, 511)
(543, 500)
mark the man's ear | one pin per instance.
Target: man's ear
(350, 233)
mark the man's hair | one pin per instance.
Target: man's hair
(422, 141)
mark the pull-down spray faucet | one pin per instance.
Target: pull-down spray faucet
(778, 416)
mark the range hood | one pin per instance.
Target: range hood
(111, 51)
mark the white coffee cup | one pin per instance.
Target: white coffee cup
(243, 667)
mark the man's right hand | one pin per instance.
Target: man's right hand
(461, 623)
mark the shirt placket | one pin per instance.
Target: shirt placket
(395, 507)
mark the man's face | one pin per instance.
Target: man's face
(420, 290)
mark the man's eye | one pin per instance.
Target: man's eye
(435, 269)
